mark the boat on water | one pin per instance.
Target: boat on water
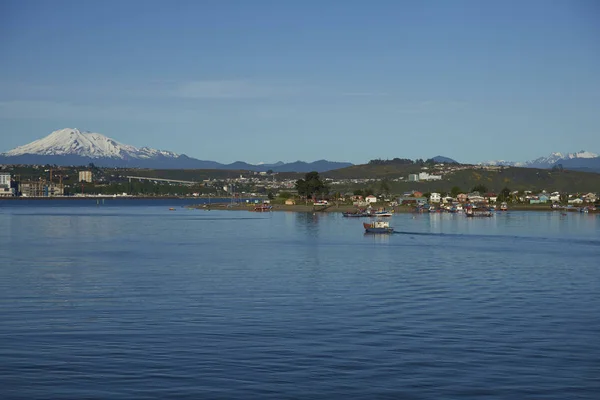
(457, 208)
(378, 227)
(503, 206)
(382, 213)
(473, 212)
(356, 214)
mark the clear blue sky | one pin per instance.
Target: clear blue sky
(263, 81)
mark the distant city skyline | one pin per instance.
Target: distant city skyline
(267, 81)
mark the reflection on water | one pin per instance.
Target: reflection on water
(134, 302)
(377, 237)
(309, 222)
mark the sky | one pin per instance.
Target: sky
(267, 81)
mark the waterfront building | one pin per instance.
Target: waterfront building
(5, 185)
(40, 189)
(371, 199)
(435, 198)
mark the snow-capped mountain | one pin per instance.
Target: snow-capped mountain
(73, 142)
(547, 161)
(74, 147)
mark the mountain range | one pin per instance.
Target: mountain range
(74, 147)
(579, 161)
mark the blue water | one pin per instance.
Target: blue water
(130, 300)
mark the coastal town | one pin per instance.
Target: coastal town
(37, 181)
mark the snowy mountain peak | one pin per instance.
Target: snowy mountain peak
(581, 154)
(71, 141)
(545, 162)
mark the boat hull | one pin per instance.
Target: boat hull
(370, 228)
(480, 214)
(355, 215)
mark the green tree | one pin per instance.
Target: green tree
(368, 192)
(564, 198)
(311, 185)
(481, 188)
(359, 192)
(285, 195)
(337, 196)
(504, 194)
(384, 187)
(455, 191)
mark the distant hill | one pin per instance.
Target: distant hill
(515, 178)
(444, 160)
(580, 164)
(74, 147)
(319, 166)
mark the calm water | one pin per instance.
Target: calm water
(130, 300)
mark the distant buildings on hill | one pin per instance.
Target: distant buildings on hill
(423, 176)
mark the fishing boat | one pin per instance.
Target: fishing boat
(382, 213)
(355, 214)
(378, 227)
(471, 211)
(503, 206)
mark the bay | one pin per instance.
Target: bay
(128, 299)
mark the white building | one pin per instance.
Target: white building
(413, 177)
(371, 199)
(435, 198)
(5, 189)
(85, 176)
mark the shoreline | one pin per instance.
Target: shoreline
(21, 198)
(350, 208)
(224, 205)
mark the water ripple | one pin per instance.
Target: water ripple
(296, 306)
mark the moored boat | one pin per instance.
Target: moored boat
(504, 207)
(356, 214)
(383, 213)
(470, 211)
(378, 227)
